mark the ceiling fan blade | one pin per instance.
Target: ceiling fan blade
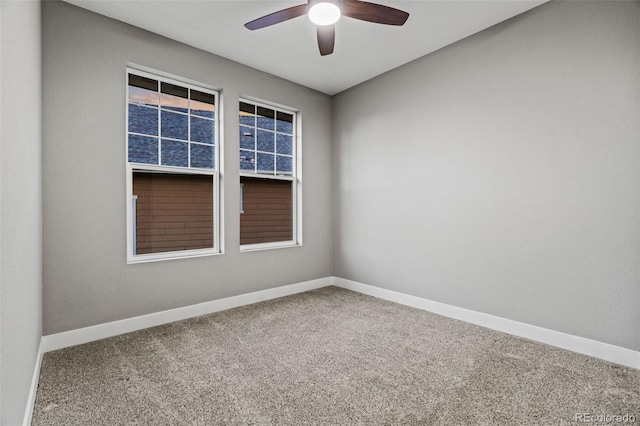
(373, 12)
(277, 17)
(326, 39)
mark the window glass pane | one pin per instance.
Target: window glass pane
(143, 82)
(265, 163)
(173, 212)
(284, 144)
(202, 104)
(247, 140)
(174, 97)
(247, 114)
(143, 90)
(247, 161)
(265, 141)
(175, 153)
(143, 120)
(143, 149)
(174, 125)
(266, 118)
(284, 165)
(202, 130)
(202, 156)
(284, 122)
(266, 220)
(247, 108)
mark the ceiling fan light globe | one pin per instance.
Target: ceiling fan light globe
(324, 13)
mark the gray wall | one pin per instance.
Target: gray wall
(20, 204)
(501, 174)
(86, 278)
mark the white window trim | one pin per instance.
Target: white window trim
(295, 178)
(131, 167)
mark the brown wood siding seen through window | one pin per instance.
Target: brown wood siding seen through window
(174, 212)
(268, 211)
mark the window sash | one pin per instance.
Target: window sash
(139, 258)
(256, 127)
(163, 138)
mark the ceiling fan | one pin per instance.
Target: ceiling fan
(325, 13)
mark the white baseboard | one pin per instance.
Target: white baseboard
(66, 339)
(605, 351)
(33, 389)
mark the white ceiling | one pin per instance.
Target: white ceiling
(289, 50)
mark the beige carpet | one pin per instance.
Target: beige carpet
(328, 356)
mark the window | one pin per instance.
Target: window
(172, 169)
(268, 176)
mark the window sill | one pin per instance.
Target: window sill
(174, 255)
(268, 246)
